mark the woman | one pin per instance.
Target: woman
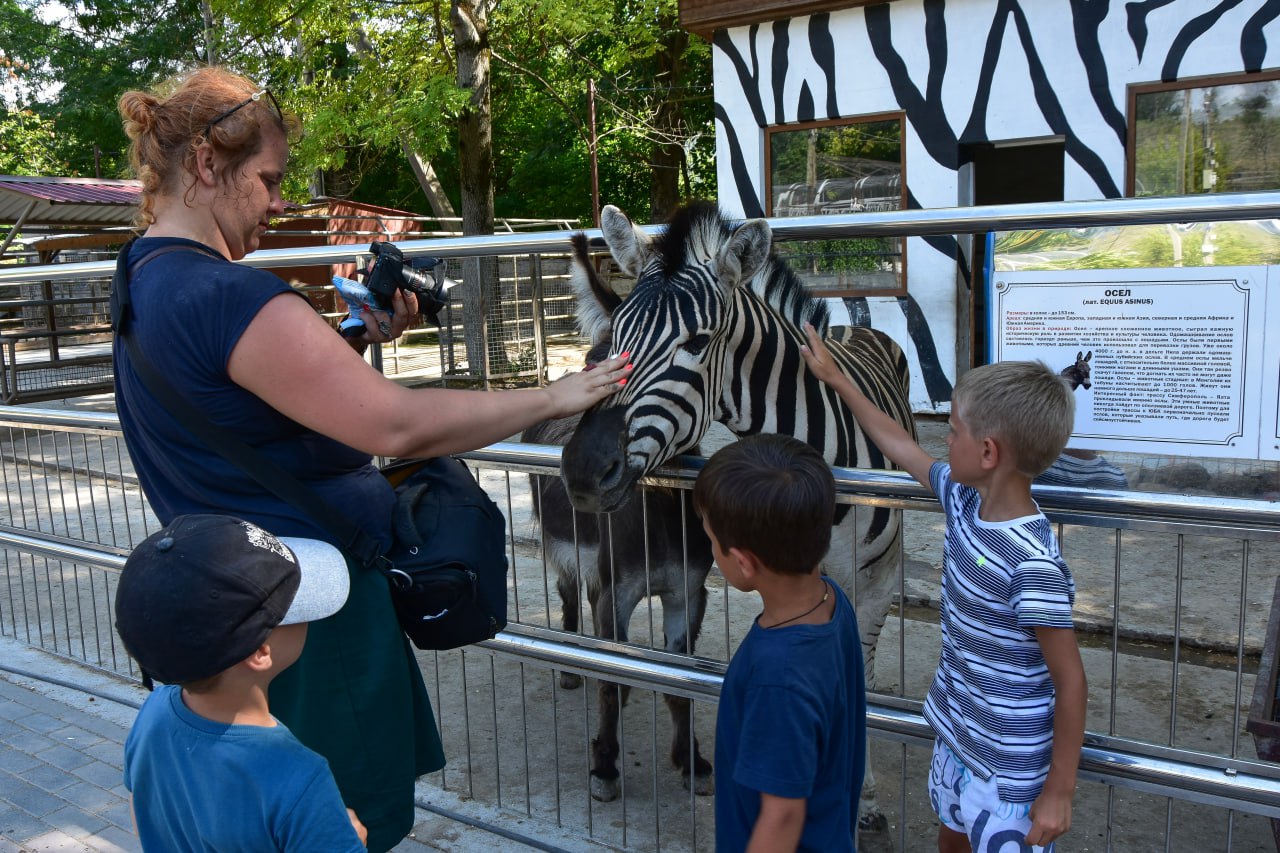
(255, 358)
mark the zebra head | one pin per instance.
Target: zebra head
(680, 323)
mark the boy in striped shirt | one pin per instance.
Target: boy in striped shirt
(1008, 701)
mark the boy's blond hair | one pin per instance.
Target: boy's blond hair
(1025, 404)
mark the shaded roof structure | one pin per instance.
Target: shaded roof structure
(28, 203)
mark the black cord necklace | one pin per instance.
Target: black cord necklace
(825, 595)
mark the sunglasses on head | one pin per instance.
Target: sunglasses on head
(254, 98)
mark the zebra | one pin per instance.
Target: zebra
(714, 328)
(650, 545)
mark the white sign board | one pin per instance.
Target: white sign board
(1178, 359)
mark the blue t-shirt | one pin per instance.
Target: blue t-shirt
(992, 699)
(792, 722)
(199, 785)
(189, 311)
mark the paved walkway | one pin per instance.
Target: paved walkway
(62, 738)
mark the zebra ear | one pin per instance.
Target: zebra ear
(745, 253)
(596, 299)
(630, 246)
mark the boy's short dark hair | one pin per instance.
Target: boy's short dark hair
(772, 495)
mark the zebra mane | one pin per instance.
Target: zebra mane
(697, 231)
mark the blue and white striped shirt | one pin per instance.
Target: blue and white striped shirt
(992, 698)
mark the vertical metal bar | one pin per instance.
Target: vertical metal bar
(1115, 679)
(1239, 697)
(524, 731)
(1173, 686)
(92, 492)
(1177, 641)
(493, 710)
(535, 500)
(111, 635)
(466, 715)
(653, 765)
(444, 782)
(511, 550)
(538, 316)
(586, 738)
(71, 455)
(555, 741)
(648, 561)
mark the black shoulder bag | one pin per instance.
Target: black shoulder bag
(447, 566)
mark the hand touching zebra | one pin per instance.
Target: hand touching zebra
(714, 328)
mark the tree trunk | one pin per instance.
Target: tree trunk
(475, 154)
(667, 157)
(441, 207)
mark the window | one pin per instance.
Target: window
(840, 167)
(1203, 136)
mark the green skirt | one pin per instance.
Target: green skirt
(356, 696)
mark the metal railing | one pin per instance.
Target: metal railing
(1169, 682)
(59, 581)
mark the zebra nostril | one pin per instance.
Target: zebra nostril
(612, 475)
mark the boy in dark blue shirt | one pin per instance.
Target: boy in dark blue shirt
(791, 726)
(216, 607)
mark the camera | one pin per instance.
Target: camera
(388, 272)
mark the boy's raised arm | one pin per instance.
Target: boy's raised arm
(888, 435)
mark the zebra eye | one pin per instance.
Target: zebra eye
(696, 344)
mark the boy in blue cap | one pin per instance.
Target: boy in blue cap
(216, 607)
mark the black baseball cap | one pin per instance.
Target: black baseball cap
(200, 595)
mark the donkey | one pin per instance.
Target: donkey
(621, 567)
(1078, 374)
(714, 326)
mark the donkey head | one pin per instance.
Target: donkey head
(676, 324)
(1078, 374)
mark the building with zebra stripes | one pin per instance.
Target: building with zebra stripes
(843, 106)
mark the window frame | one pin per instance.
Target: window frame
(900, 117)
(1134, 90)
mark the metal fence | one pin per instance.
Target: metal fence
(1174, 595)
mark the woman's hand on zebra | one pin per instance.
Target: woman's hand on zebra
(818, 358)
(582, 390)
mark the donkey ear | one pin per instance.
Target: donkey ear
(630, 246)
(745, 253)
(1088, 355)
(1080, 355)
(596, 299)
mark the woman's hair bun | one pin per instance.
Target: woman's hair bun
(138, 109)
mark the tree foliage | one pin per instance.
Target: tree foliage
(372, 77)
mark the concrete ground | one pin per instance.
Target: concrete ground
(62, 733)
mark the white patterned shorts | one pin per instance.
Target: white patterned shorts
(972, 807)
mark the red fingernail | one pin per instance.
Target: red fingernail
(589, 366)
(625, 355)
(628, 367)
(622, 381)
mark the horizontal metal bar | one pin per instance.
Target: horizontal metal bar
(1199, 777)
(895, 223)
(58, 548)
(1204, 515)
(65, 420)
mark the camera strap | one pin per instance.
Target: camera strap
(264, 470)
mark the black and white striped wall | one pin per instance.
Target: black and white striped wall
(964, 72)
